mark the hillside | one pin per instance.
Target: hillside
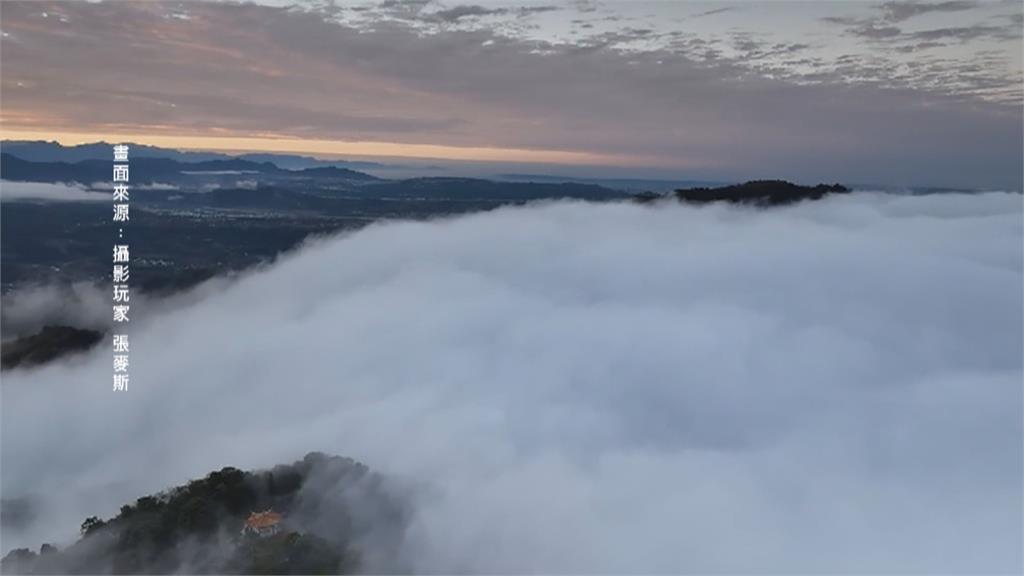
(759, 192)
(327, 504)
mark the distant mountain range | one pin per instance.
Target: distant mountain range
(48, 152)
(150, 170)
(43, 151)
(235, 181)
(243, 213)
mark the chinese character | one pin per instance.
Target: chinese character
(120, 293)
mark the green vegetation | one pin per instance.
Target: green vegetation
(197, 528)
(756, 192)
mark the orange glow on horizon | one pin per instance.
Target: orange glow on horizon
(337, 148)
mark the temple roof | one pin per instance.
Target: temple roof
(263, 519)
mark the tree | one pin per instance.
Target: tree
(90, 525)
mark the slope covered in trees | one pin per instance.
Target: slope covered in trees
(756, 192)
(329, 505)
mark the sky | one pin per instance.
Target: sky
(897, 92)
(571, 387)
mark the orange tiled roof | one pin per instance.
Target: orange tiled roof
(263, 519)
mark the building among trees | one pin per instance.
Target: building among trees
(266, 523)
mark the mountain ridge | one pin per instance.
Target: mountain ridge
(52, 151)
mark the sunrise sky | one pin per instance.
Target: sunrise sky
(894, 93)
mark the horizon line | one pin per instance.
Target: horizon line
(343, 149)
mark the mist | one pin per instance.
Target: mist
(575, 387)
(47, 192)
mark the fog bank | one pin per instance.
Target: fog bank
(573, 387)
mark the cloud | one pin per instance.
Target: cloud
(900, 11)
(968, 33)
(108, 186)
(20, 191)
(413, 12)
(585, 6)
(463, 11)
(714, 11)
(574, 387)
(82, 305)
(874, 30)
(882, 26)
(528, 10)
(709, 116)
(871, 30)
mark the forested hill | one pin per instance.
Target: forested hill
(327, 504)
(756, 192)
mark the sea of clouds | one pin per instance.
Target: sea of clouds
(573, 387)
(47, 192)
